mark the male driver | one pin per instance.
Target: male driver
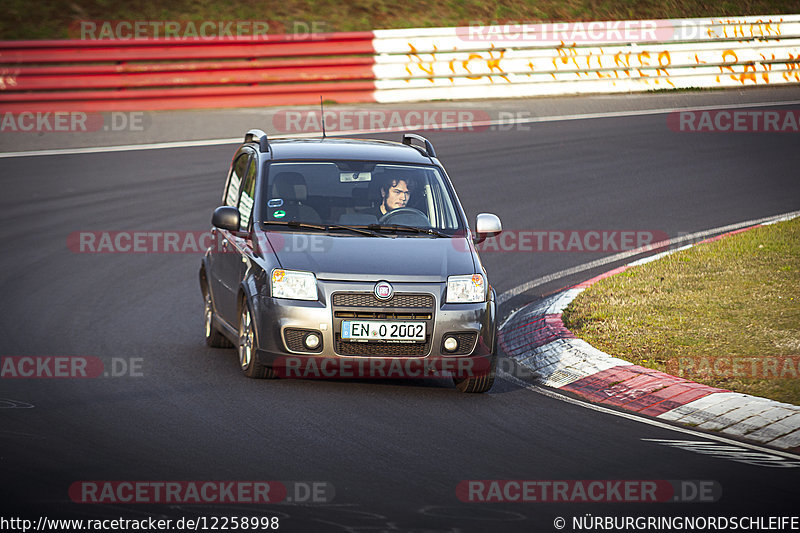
(394, 194)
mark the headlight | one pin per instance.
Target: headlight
(464, 289)
(294, 285)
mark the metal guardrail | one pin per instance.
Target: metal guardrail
(399, 65)
(102, 75)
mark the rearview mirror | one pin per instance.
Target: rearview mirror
(226, 217)
(486, 225)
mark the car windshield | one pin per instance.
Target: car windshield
(358, 193)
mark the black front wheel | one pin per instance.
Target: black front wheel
(247, 348)
(479, 380)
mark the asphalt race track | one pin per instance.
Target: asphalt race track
(391, 453)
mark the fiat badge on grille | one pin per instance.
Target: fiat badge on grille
(383, 290)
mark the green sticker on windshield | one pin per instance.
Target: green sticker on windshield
(279, 214)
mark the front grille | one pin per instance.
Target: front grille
(373, 315)
(466, 342)
(294, 340)
(368, 299)
(367, 349)
(365, 305)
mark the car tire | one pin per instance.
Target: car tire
(246, 348)
(479, 383)
(214, 339)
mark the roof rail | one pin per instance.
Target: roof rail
(258, 136)
(429, 151)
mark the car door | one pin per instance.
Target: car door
(239, 248)
(223, 258)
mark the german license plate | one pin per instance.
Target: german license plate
(373, 330)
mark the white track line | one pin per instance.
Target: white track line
(458, 125)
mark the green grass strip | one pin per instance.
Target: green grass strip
(725, 313)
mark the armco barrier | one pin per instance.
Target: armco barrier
(399, 65)
(149, 74)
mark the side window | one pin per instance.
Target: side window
(248, 195)
(442, 210)
(238, 171)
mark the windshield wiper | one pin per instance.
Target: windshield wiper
(362, 231)
(296, 224)
(323, 227)
(402, 227)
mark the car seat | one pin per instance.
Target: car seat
(290, 187)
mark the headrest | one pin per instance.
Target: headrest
(289, 186)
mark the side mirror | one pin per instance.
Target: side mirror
(226, 217)
(486, 225)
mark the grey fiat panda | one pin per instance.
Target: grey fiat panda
(348, 258)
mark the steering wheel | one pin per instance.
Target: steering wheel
(407, 216)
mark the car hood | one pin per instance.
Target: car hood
(357, 258)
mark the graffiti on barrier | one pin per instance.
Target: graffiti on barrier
(572, 62)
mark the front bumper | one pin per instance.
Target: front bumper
(281, 324)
